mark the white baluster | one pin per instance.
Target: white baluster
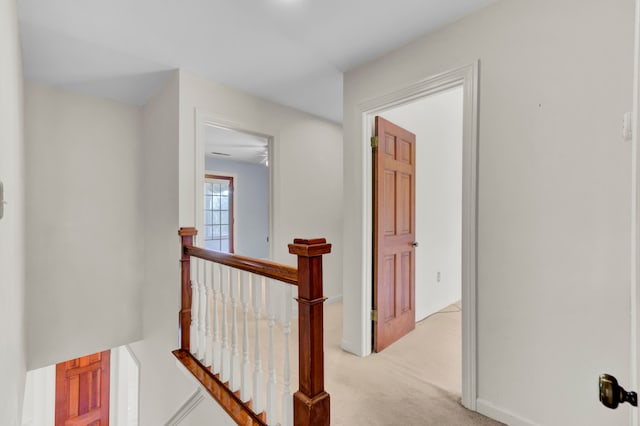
(258, 395)
(287, 399)
(208, 285)
(195, 289)
(202, 310)
(272, 387)
(234, 381)
(226, 355)
(245, 296)
(217, 345)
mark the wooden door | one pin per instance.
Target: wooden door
(82, 391)
(394, 163)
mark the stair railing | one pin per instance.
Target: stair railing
(211, 349)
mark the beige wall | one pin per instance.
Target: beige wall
(12, 355)
(160, 394)
(554, 198)
(84, 224)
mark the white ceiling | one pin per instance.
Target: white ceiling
(227, 144)
(289, 51)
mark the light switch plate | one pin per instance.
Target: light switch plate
(1, 200)
(627, 124)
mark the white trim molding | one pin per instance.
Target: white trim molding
(467, 78)
(488, 409)
(136, 361)
(188, 406)
(634, 291)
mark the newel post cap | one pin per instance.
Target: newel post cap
(309, 248)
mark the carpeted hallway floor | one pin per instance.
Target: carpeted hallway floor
(416, 381)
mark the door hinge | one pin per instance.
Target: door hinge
(374, 315)
(374, 142)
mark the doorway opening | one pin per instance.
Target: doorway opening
(465, 78)
(436, 120)
(430, 128)
(233, 189)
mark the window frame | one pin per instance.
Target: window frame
(231, 224)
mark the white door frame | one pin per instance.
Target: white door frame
(467, 78)
(635, 219)
(205, 118)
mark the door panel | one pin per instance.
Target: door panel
(389, 205)
(394, 233)
(405, 151)
(404, 204)
(389, 145)
(405, 276)
(82, 391)
(389, 299)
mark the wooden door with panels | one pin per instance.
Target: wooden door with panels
(394, 165)
(82, 391)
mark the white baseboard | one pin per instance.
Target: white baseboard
(351, 348)
(488, 409)
(184, 410)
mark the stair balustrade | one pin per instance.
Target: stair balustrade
(215, 345)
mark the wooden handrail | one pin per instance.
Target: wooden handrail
(265, 268)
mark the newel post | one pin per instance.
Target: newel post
(186, 236)
(311, 401)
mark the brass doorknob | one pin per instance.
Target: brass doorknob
(612, 394)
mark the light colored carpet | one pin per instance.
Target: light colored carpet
(416, 381)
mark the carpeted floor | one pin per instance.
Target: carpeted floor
(416, 381)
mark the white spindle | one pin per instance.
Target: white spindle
(245, 297)
(217, 345)
(287, 399)
(226, 355)
(234, 381)
(258, 395)
(202, 310)
(272, 387)
(195, 289)
(209, 312)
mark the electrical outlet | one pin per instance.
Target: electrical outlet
(438, 277)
